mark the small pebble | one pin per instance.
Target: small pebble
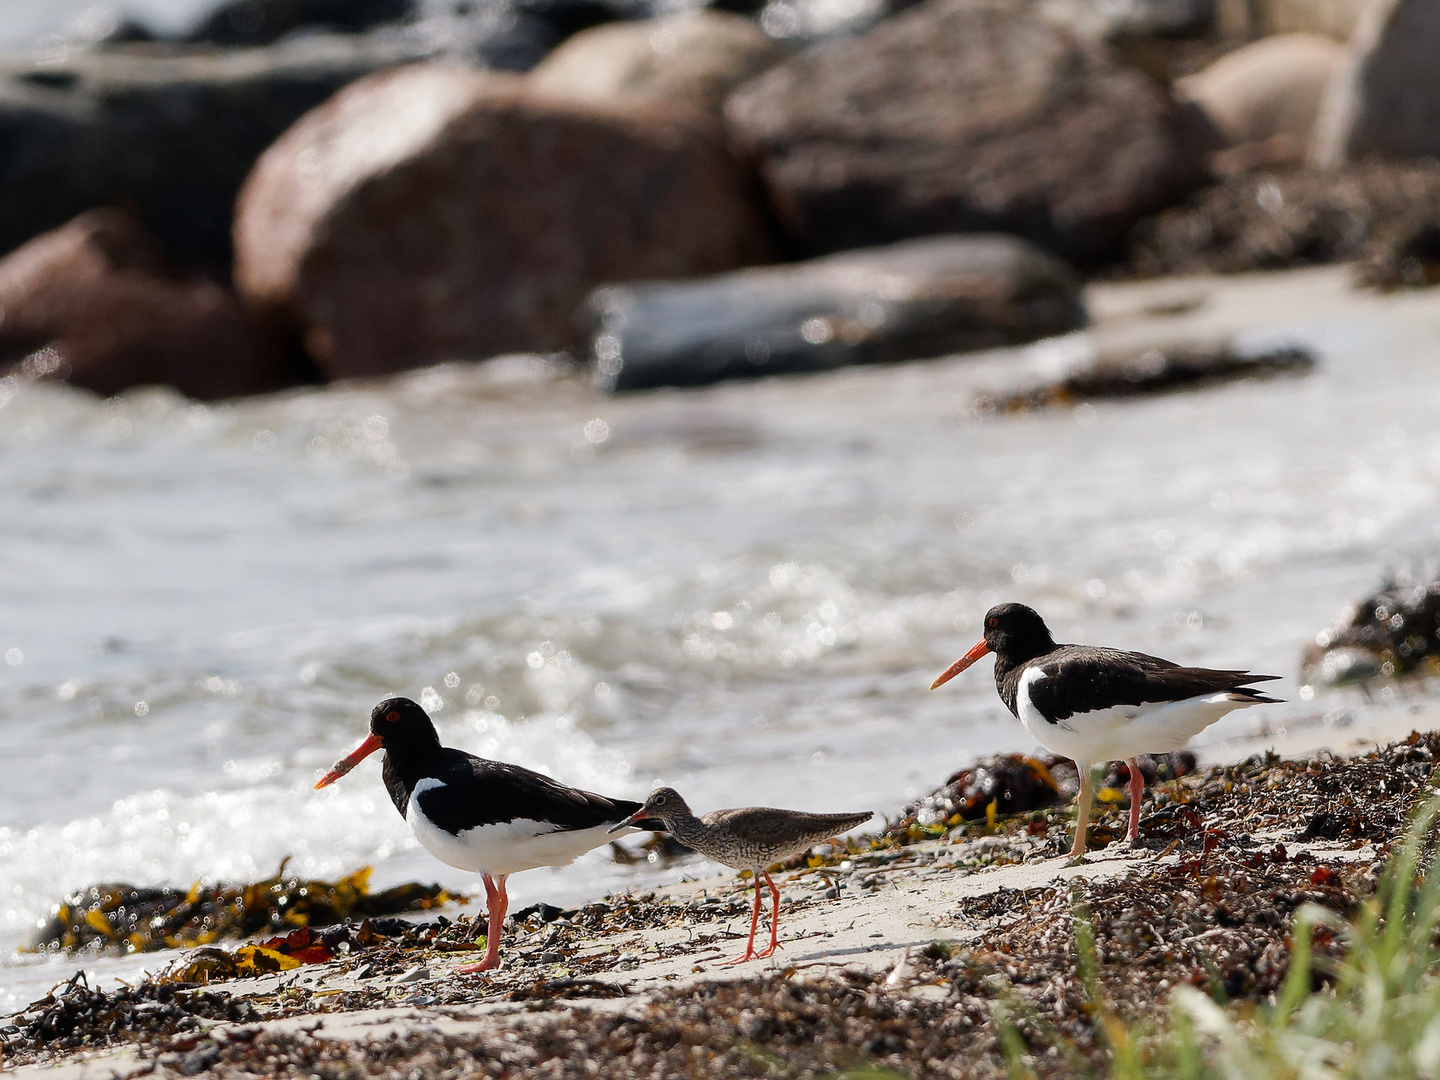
(418, 973)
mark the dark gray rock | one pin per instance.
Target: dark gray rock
(918, 299)
(170, 135)
(263, 22)
(1384, 101)
(962, 116)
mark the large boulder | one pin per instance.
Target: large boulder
(693, 58)
(437, 212)
(171, 135)
(1384, 100)
(94, 303)
(1266, 94)
(916, 299)
(962, 116)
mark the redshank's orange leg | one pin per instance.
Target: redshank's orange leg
(754, 925)
(1137, 788)
(497, 901)
(774, 918)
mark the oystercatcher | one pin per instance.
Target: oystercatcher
(1094, 704)
(746, 838)
(486, 816)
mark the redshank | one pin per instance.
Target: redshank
(746, 838)
(1095, 704)
(486, 816)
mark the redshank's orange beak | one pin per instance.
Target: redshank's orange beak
(372, 743)
(636, 820)
(960, 665)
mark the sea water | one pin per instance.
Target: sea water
(743, 591)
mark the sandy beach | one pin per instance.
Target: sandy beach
(894, 954)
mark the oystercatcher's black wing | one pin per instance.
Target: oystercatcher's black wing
(473, 792)
(1088, 678)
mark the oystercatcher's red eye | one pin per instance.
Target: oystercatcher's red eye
(392, 716)
(992, 622)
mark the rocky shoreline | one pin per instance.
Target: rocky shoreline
(343, 191)
(903, 951)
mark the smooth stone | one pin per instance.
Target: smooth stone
(1384, 99)
(1268, 90)
(94, 304)
(917, 299)
(172, 134)
(693, 58)
(963, 116)
(436, 213)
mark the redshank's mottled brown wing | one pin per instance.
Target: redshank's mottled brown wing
(772, 830)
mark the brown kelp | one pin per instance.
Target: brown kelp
(1392, 634)
(129, 918)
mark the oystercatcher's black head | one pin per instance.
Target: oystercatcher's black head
(1013, 632)
(397, 726)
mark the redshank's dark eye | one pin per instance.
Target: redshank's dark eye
(392, 716)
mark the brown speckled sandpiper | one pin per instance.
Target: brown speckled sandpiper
(746, 838)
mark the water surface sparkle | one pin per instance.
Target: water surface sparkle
(743, 591)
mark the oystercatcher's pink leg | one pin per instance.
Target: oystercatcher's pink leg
(1087, 794)
(774, 918)
(497, 901)
(754, 925)
(1137, 788)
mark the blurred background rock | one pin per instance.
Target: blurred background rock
(596, 142)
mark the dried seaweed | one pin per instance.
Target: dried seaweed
(1270, 219)
(1398, 627)
(1156, 370)
(127, 918)
(75, 1015)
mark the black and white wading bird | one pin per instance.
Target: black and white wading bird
(1095, 704)
(486, 816)
(746, 838)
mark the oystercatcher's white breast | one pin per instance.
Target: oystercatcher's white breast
(1121, 731)
(504, 847)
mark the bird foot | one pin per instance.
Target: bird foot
(1071, 859)
(470, 969)
(749, 955)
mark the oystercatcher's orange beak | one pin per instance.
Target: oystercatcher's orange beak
(372, 743)
(960, 665)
